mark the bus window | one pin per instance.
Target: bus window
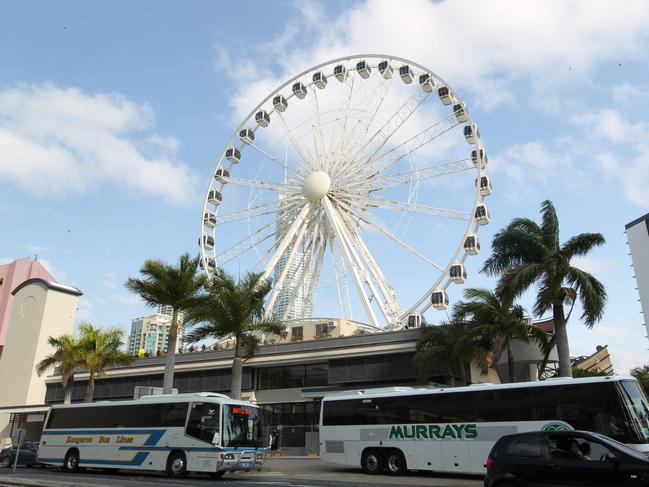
(203, 422)
(636, 404)
(241, 427)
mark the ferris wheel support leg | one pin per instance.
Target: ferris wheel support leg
(347, 252)
(288, 238)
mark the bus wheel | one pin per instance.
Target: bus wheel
(372, 462)
(6, 462)
(71, 461)
(217, 475)
(177, 465)
(396, 463)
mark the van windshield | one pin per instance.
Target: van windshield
(241, 427)
(637, 407)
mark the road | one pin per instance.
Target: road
(280, 472)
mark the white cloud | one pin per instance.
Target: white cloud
(110, 280)
(593, 265)
(628, 92)
(129, 299)
(470, 44)
(54, 141)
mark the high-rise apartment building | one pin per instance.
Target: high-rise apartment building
(151, 333)
(295, 300)
(637, 233)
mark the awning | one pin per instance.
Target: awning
(24, 409)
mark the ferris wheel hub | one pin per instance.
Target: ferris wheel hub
(316, 185)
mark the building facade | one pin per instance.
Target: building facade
(37, 309)
(151, 334)
(637, 233)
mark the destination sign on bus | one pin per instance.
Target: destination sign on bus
(240, 410)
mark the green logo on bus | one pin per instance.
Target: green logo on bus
(556, 427)
(434, 432)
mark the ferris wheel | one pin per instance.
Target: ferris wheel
(357, 187)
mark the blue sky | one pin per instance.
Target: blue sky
(112, 117)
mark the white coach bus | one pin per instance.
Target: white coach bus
(453, 429)
(176, 433)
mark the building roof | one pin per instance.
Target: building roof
(50, 285)
(636, 221)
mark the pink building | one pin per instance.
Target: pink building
(11, 276)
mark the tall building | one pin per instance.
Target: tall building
(295, 300)
(167, 310)
(151, 333)
(637, 233)
(33, 307)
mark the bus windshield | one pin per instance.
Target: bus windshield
(241, 427)
(636, 405)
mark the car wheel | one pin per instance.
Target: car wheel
(177, 465)
(6, 462)
(217, 475)
(395, 463)
(372, 462)
(71, 461)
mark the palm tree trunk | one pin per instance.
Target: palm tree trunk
(67, 392)
(90, 391)
(237, 365)
(511, 365)
(546, 355)
(561, 334)
(463, 371)
(170, 360)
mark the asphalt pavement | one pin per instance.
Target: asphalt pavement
(278, 472)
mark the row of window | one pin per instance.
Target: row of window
(594, 407)
(311, 375)
(119, 416)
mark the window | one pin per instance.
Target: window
(119, 416)
(297, 333)
(530, 446)
(203, 422)
(311, 375)
(241, 427)
(317, 375)
(323, 329)
(578, 448)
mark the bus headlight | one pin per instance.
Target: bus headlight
(229, 456)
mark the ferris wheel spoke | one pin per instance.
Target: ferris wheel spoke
(316, 131)
(364, 201)
(381, 137)
(283, 165)
(308, 163)
(322, 247)
(286, 240)
(339, 126)
(391, 236)
(279, 187)
(413, 144)
(347, 252)
(390, 304)
(244, 245)
(341, 280)
(269, 208)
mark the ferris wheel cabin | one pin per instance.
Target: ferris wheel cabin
(222, 175)
(385, 69)
(247, 136)
(482, 159)
(279, 103)
(472, 244)
(457, 273)
(445, 95)
(320, 80)
(262, 118)
(233, 155)
(485, 185)
(406, 74)
(209, 262)
(426, 82)
(209, 219)
(471, 133)
(363, 69)
(460, 112)
(208, 241)
(214, 197)
(340, 72)
(482, 214)
(299, 90)
(439, 299)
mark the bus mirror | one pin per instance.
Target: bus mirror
(216, 439)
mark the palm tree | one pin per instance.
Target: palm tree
(175, 286)
(100, 349)
(642, 376)
(450, 343)
(525, 253)
(498, 319)
(66, 361)
(233, 309)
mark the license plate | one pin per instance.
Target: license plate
(245, 465)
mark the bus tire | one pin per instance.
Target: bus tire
(177, 465)
(217, 475)
(6, 462)
(372, 462)
(395, 463)
(71, 461)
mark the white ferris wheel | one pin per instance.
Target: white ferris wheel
(357, 187)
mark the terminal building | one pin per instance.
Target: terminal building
(637, 233)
